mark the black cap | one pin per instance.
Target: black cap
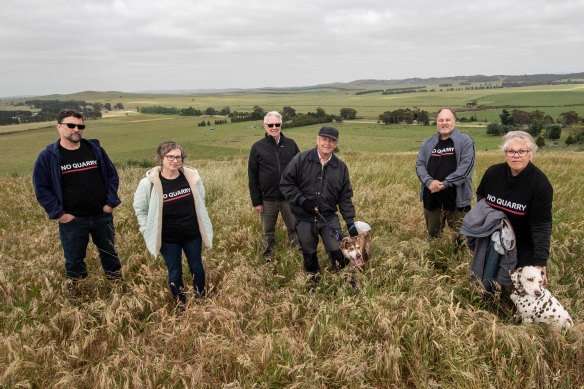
(329, 131)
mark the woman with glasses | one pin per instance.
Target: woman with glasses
(523, 192)
(170, 206)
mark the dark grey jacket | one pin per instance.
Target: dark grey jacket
(305, 178)
(478, 225)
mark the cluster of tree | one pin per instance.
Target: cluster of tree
(301, 119)
(160, 110)
(223, 111)
(49, 109)
(463, 119)
(576, 137)
(203, 123)
(397, 91)
(348, 113)
(107, 106)
(536, 128)
(405, 115)
(258, 113)
(21, 116)
(523, 118)
(481, 87)
(221, 121)
(537, 123)
(364, 92)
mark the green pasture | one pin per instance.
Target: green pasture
(552, 99)
(135, 137)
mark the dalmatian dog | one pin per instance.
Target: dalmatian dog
(536, 304)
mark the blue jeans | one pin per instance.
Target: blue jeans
(172, 254)
(75, 237)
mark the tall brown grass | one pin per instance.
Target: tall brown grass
(415, 322)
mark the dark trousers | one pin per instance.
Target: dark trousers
(437, 219)
(269, 217)
(308, 234)
(75, 237)
(172, 254)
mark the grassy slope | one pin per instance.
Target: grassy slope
(416, 322)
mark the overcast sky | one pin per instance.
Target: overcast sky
(64, 46)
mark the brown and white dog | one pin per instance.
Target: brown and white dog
(357, 248)
(536, 304)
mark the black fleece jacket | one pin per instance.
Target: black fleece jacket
(526, 200)
(267, 161)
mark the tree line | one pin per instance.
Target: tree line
(539, 125)
(49, 109)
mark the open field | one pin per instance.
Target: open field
(552, 99)
(415, 323)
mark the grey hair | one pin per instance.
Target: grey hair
(520, 136)
(272, 113)
(165, 147)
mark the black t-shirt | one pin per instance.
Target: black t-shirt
(179, 217)
(84, 192)
(441, 164)
(526, 200)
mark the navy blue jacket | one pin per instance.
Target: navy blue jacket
(46, 178)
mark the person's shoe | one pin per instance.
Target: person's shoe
(267, 256)
(115, 276)
(72, 287)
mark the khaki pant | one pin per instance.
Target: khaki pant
(437, 219)
(269, 218)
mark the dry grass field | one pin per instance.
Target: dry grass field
(416, 322)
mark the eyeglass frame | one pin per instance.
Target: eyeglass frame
(520, 152)
(271, 125)
(172, 158)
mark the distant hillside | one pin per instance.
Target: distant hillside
(511, 80)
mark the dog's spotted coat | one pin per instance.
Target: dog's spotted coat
(536, 304)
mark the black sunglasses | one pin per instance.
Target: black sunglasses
(274, 124)
(72, 125)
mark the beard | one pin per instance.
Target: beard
(75, 138)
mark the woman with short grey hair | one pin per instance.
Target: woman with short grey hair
(523, 192)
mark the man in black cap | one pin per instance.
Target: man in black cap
(316, 181)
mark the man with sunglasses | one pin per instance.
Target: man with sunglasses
(267, 160)
(77, 184)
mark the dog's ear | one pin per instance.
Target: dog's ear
(343, 243)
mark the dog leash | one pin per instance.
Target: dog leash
(334, 233)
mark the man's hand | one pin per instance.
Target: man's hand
(259, 208)
(309, 206)
(435, 186)
(543, 269)
(66, 218)
(352, 229)
(107, 209)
